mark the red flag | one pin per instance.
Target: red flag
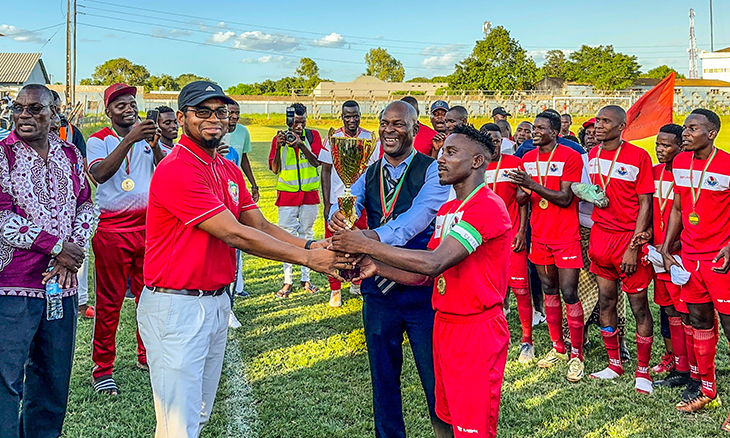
(652, 111)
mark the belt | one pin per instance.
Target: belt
(188, 292)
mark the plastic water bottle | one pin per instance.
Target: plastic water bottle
(54, 302)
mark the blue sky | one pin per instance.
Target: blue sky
(244, 41)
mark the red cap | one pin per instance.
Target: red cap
(116, 90)
(589, 122)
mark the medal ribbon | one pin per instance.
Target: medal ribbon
(547, 168)
(448, 228)
(127, 157)
(388, 206)
(696, 196)
(663, 201)
(610, 169)
(496, 173)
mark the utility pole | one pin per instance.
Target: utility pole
(70, 53)
(712, 33)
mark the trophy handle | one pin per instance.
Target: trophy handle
(329, 137)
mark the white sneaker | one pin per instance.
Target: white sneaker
(506, 310)
(233, 322)
(355, 289)
(644, 385)
(335, 298)
(605, 374)
(537, 318)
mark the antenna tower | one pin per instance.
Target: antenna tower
(693, 54)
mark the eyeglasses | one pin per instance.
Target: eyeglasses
(33, 110)
(205, 113)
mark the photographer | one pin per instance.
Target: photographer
(293, 158)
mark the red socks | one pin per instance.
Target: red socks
(691, 358)
(575, 326)
(524, 310)
(705, 348)
(610, 339)
(643, 355)
(679, 345)
(554, 318)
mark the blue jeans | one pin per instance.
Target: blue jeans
(386, 318)
(40, 351)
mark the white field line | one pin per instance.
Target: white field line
(240, 407)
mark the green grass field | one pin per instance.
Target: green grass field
(298, 368)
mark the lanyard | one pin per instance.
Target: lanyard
(127, 157)
(496, 173)
(447, 227)
(696, 196)
(663, 201)
(389, 206)
(610, 169)
(547, 168)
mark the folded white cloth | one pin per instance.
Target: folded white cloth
(680, 276)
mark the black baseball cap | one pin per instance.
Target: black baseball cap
(501, 111)
(439, 104)
(199, 91)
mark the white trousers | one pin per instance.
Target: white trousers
(83, 278)
(185, 338)
(299, 222)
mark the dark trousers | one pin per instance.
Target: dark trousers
(41, 352)
(386, 318)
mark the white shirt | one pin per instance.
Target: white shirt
(337, 187)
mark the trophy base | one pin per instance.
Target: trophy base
(349, 274)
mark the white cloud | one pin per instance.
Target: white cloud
(171, 33)
(332, 40)
(443, 50)
(222, 25)
(446, 60)
(21, 35)
(221, 37)
(273, 42)
(281, 61)
(539, 55)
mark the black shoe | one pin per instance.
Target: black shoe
(693, 390)
(674, 379)
(625, 355)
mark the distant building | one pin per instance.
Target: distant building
(20, 69)
(370, 86)
(716, 65)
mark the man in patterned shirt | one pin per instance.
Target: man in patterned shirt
(46, 221)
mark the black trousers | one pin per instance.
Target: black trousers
(39, 353)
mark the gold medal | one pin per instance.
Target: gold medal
(544, 203)
(693, 218)
(441, 285)
(127, 185)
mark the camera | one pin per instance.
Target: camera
(289, 135)
(63, 121)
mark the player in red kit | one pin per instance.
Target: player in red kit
(550, 170)
(624, 172)
(497, 178)
(469, 258)
(666, 293)
(700, 216)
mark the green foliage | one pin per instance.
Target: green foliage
(661, 72)
(498, 62)
(556, 65)
(162, 82)
(187, 78)
(600, 66)
(307, 78)
(118, 70)
(404, 92)
(383, 65)
(307, 69)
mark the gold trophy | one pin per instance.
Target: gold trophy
(350, 159)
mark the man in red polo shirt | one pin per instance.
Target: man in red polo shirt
(199, 212)
(468, 258)
(551, 169)
(297, 189)
(497, 178)
(423, 142)
(624, 172)
(121, 159)
(701, 218)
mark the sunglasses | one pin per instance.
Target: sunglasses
(33, 110)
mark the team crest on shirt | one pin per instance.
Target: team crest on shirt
(147, 149)
(622, 171)
(233, 190)
(553, 167)
(505, 173)
(711, 181)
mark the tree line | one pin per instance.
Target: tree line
(497, 62)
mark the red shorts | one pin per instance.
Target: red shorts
(469, 355)
(565, 255)
(518, 273)
(667, 293)
(705, 285)
(606, 250)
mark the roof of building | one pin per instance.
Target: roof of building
(725, 50)
(650, 82)
(16, 68)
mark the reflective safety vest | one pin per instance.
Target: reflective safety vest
(297, 173)
(66, 133)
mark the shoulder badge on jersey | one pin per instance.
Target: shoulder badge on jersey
(233, 190)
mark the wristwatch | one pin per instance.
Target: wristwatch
(57, 248)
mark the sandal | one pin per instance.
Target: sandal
(105, 385)
(309, 287)
(283, 292)
(726, 425)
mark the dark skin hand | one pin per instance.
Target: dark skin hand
(437, 143)
(66, 277)
(519, 243)
(106, 168)
(643, 229)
